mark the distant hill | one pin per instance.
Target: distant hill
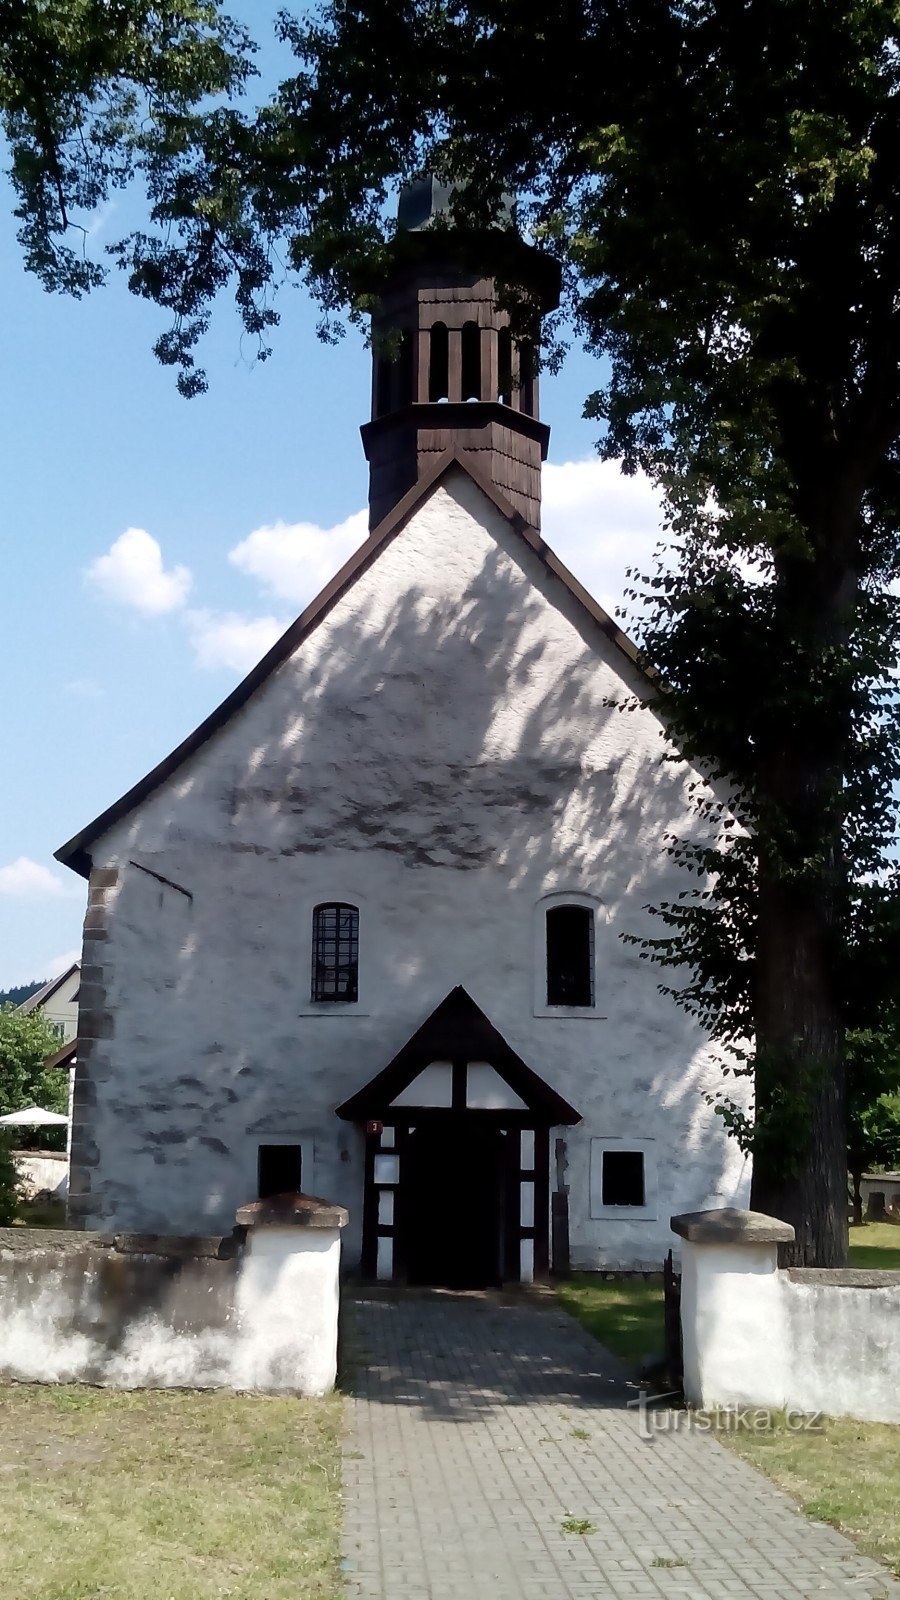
(21, 993)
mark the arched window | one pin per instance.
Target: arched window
(471, 361)
(570, 956)
(504, 366)
(439, 362)
(335, 952)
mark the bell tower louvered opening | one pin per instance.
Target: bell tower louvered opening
(447, 367)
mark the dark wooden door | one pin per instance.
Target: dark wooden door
(453, 1200)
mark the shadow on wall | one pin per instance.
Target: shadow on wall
(455, 740)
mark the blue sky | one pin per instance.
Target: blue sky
(240, 504)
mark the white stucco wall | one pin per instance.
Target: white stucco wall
(807, 1341)
(42, 1172)
(266, 1319)
(440, 752)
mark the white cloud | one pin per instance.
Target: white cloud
(294, 560)
(132, 574)
(600, 522)
(59, 964)
(227, 639)
(24, 879)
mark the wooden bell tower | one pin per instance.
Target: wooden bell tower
(446, 369)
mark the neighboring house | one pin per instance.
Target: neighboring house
(362, 932)
(58, 1000)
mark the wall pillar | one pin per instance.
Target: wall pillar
(733, 1318)
(288, 1297)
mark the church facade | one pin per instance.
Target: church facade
(362, 933)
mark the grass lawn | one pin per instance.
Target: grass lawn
(167, 1496)
(849, 1475)
(624, 1314)
(876, 1246)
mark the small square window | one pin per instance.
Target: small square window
(622, 1182)
(279, 1169)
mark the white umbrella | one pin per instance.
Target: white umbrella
(33, 1117)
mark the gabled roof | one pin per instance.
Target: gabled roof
(64, 1057)
(457, 1030)
(76, 852)
(41, 996)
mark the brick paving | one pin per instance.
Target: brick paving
(477, 1425)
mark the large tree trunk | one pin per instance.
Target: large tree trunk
(800, 1154)
(799, 1160)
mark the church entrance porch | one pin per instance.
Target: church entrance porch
(456, 1201)
(457, 1176)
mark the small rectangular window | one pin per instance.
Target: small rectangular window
(570, 956)
(622, 1182)
(279, 1169)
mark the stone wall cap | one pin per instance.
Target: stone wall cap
(291, 1210)
(177, 1247)
(730, 1225)
(844, 1277)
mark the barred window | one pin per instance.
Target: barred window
(570, 956)
(335, 952)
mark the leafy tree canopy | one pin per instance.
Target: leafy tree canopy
(26, 1040)
(97, 94)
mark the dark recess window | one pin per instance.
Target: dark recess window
(504, 366)
(279, 1169)
(471, 361)
(623, 1178)
(439, 362)
(335, 953)
(570, 956)
(526, 379)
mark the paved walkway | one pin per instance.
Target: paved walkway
(478, 1427)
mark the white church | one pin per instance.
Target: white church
(361, 934)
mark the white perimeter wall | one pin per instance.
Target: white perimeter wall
(74, 1311)
(755, 1335)
(442, 753)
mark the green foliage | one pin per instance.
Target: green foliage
(9, 1183)
(98, 94)
(26, 1040)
